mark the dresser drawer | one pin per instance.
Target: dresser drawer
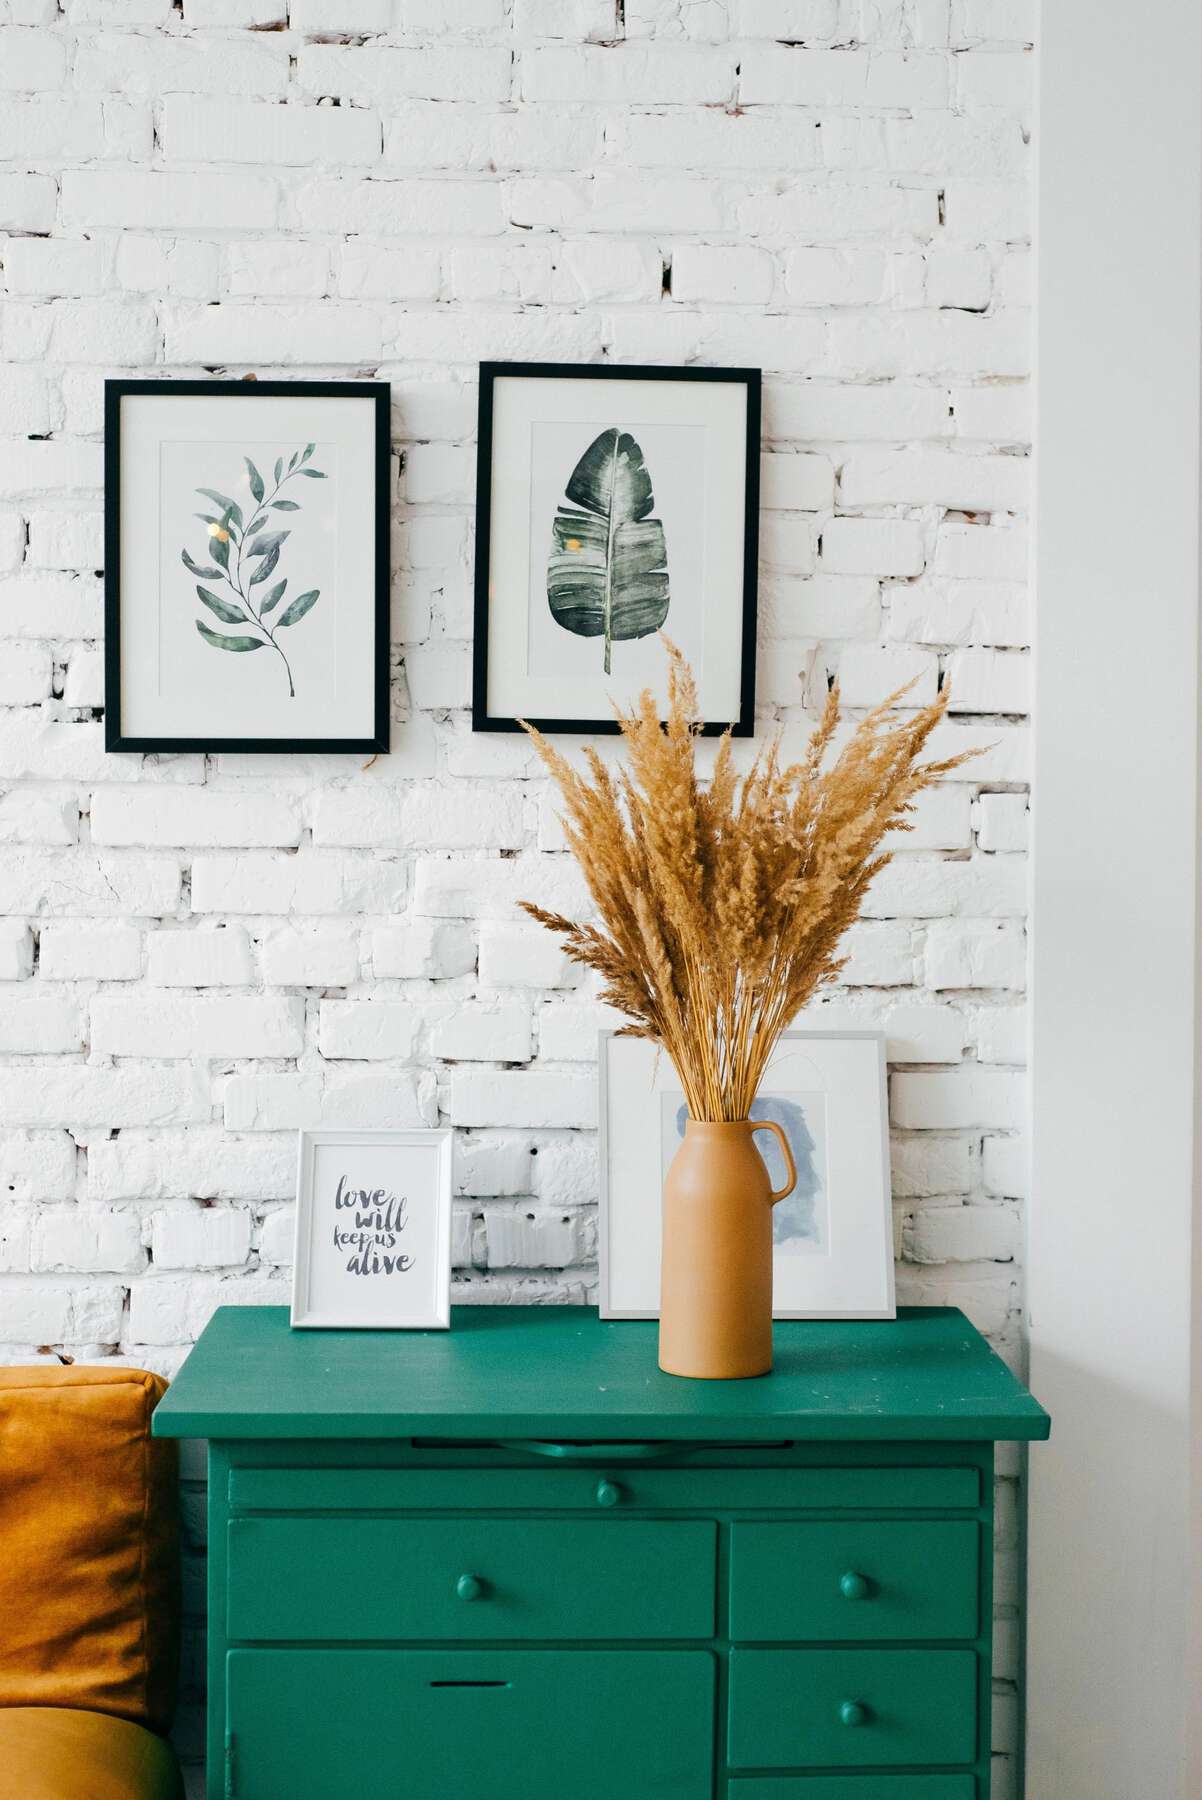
(854, 1787)
(676, 1485)
(470, 1579)
(863, 1580)
(856, 1709)
(469, 1725)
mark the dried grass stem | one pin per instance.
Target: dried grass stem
(721, 905)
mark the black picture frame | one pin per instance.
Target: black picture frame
(376, 738)
(490, 373)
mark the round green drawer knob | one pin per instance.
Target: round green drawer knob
(469, 1587)
(854, 1587)
(608, 1493)
(853, 1712)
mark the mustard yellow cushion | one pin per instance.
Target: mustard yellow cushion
(55, 1753)
(89, 1550)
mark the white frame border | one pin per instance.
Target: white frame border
(307, 1142)
(607, 1311)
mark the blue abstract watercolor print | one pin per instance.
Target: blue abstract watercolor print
(799, 1222)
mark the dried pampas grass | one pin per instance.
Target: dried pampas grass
(721, 905)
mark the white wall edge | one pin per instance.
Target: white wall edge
(1112, 1686)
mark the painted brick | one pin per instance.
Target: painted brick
(79, 951)
(959, 1098)
(867, 676)
(203, 958)
(873, 547)
(935, 477)
(735, 274)
(38, 1021)
(81, 1097)
(798, 482)
(312, 331)
(79, 880)
(321, 882)
(96, 198)
(32, 60)
(1002, 821)
(523, 1098)
(1005, 1166)
(322, 956)
(25, 674)
(926, 1164)
(990, 681)
(367, 1029)
(630, 74)
(16, 950)
(940, 1234)
(382, 76)
(278, 271)
(37, 1165)
(174, 1026)
(479, 1032)
(961, 612)
(246, 131)
(50, 266)
(38, 816)
(525, 956)
(87, 1239)
(202, 817)
(204, 1238)
(459, 888)
(975, 953)
(125, 63)
(429, 948)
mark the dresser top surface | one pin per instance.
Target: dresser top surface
(561, 1372)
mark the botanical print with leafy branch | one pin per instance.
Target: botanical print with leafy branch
(254, 547)
(607, 574)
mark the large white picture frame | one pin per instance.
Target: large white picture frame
(833, 1237)
(373, 1230)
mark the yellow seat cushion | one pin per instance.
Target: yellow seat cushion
(89, 1569)
(56, 1753)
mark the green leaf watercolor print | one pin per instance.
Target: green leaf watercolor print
(607, 574)
(245, 548)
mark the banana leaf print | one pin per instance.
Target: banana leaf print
(607, 575)
(245, 545)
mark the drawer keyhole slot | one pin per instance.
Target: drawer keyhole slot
(469, 1684)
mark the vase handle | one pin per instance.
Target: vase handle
(791, 1183)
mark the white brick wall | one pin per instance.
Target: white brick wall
(200, 954)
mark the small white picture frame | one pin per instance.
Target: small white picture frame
(373, 1231)
(833, 1238)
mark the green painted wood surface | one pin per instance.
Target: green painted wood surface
(857, 1579)
(380, 1503)
(853, 1787)
(560, 1372)
(367, 1579)
(789, 1708)
(751, 1489)
(387, 1724)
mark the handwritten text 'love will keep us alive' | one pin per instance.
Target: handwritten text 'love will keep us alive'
(372, 1236)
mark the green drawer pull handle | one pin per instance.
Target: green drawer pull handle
(608, 1493)
(613, 1451)
(854, 1587)
(470, 1587)
(853, 1712)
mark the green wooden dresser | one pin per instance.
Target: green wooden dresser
(513, 1560)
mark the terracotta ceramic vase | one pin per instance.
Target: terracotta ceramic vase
(715, 1320)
